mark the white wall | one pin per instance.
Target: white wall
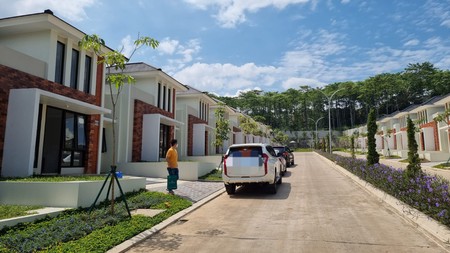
(20, 133)
(428, 135)
(198, 142)
(150, 137)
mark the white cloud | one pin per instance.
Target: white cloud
(227, 78)
(413, 42)
(68, 9)
(296, 82)
(126, 46)
(168, 46)
(446, 23)
(345, 1)
(233, 12)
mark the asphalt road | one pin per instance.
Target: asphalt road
(316, 209)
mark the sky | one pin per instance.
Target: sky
(229, 46)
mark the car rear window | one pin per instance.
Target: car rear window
(279, 149)
(245, 152)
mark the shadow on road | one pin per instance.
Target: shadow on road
(261, 192)
(160, 241)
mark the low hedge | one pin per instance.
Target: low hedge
(427, 193)
(83, 231)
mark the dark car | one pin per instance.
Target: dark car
(286, 153)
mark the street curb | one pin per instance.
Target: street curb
(172, 219)
(410, 214)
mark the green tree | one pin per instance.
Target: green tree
(413, 169)
(114, 60)
(324, 145)
(222, 126)
(280, 137)
(372, 155)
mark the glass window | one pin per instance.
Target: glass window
(69, 131)
(59, 64)
(74, 69)
(169, 101)
(87, 74)
(81, 128)
(164, 98)
(159, 95)
(75, 142)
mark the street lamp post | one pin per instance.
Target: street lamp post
(329, 114)
(317, 121)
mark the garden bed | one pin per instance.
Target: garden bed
(97, 231)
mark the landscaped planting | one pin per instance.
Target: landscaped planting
(10, 211)
(81, 231)
(428, 194)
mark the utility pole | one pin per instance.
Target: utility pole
(329, 114)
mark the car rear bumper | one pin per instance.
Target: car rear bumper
(268, 178)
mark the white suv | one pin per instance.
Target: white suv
(249, 164)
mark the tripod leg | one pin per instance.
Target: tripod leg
(99, 193)
(109, 187)
(123, 195)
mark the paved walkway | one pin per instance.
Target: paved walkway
(191, 190)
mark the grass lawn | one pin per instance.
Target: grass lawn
(445, 166)
(55, 178)
(215, 175)
(11, 211)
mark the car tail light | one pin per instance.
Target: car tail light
(265, 158)
(225, 165)
(286, 154)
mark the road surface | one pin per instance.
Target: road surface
(316, 209)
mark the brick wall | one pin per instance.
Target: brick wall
(14, 79)
(432, 124)
(191, 121)
(141, 108)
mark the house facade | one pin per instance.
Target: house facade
(51, 98)
(145, 116)
(197, 134)
(432, 137)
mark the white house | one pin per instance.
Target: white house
(51, 98)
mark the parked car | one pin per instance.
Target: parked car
(286, 153)
(251, 163)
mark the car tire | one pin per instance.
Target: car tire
(230, 188)
(280, 180)
(273, 187)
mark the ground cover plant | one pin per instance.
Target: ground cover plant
(83, 231)
(11, 211)
(426, 193)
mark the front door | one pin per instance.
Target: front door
(52, 141)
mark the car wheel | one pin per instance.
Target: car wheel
(280, 180)
(273, 187)
(230, 188)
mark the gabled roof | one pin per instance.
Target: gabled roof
(141, 69)
(40, 22)
(193, 92)
(428, 104)
(444, 99)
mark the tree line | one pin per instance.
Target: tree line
(299, 109)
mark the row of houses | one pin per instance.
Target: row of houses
(56, 109)
(432, 137)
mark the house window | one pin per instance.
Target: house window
(87, 74)
(200, 109)
(159, 95)
(169, 105)
(59, 64)
(74, 138)
(164, 131)
(74, 69)
(164, 98)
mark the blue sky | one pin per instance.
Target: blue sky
(228, 46)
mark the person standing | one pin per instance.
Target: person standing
(172, 163)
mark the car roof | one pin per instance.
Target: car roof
(249, 145)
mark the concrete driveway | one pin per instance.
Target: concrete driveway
(316, 209)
